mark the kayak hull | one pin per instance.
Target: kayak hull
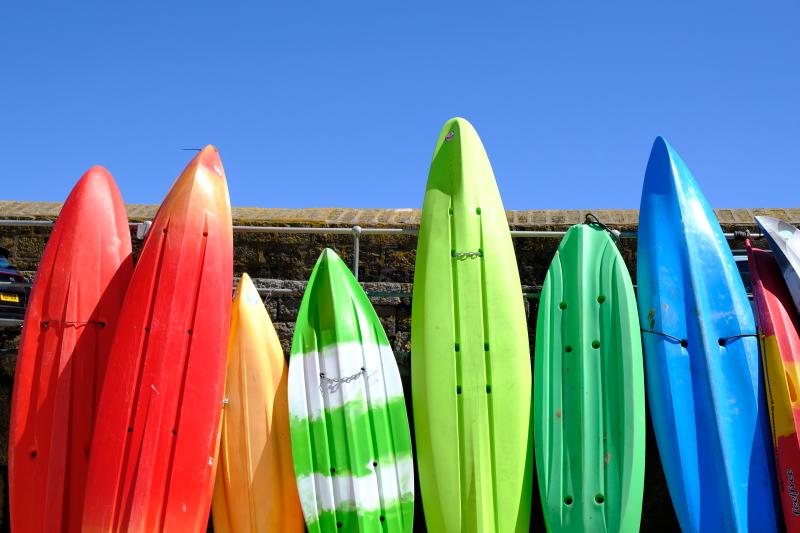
(255, 488)
(69, 324)
(351, 443)
(470, 363)
(778, 327)
(784, 241)
(704, 383)
(589, 419)
(154, 447)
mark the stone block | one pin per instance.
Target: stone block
(288, 308)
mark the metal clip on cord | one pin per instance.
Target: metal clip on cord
(742, 234)
(334, 384)
(591, 219)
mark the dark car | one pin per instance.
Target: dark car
(14, 290)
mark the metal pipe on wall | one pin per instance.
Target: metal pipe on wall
(346, 230)
(356, 231)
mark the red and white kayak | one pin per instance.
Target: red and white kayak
(152, 465)
(778, 328)
(67, 333)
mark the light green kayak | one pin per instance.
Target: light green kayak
(470, 362)
(351, 445)
(589, 420)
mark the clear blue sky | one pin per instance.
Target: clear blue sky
(338, 104)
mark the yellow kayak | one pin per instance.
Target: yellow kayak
(255, 488)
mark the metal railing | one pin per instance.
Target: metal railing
(356, 231)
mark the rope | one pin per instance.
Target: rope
(592, 220)
(334, 384)
(682, 342)
(46, 323)
(724, 340)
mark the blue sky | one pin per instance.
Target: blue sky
(340, 104)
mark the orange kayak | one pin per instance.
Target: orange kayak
(255, 489)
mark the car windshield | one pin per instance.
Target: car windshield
(4, 262)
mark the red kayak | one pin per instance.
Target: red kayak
(67, 333)
(152, 462)
(780, 355)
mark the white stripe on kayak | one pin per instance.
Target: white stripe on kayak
(390, 483)
(309, 394)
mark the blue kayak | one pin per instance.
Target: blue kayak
(704, 384)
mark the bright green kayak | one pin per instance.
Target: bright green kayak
(589, 420)
(470, 362)
(351, 445)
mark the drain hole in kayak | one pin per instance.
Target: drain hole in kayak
(562, 305)
(458, 389)
(477, 210)
(333, 470)
(130, 429)
(721, 342)
(601, 299)
(599, 498)
(458, 347)
(174, 431)
(488, 389)
(485, 346)
(567, 500)
(374, 463)
(567, 348)
(383, 518)
(595, 344)
(684, 343)
(338, 524)
(34, 453)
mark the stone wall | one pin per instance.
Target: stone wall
(280, 263)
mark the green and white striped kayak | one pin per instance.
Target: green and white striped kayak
(351, 444)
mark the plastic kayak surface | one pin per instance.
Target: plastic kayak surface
(152, 460)
(784, 241)
(589, 419)
(70, 321)
(470, 364)
(705, 389)
(255, 490)
(780, 355)
(351, 443)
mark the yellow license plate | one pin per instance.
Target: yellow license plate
(9, 297)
